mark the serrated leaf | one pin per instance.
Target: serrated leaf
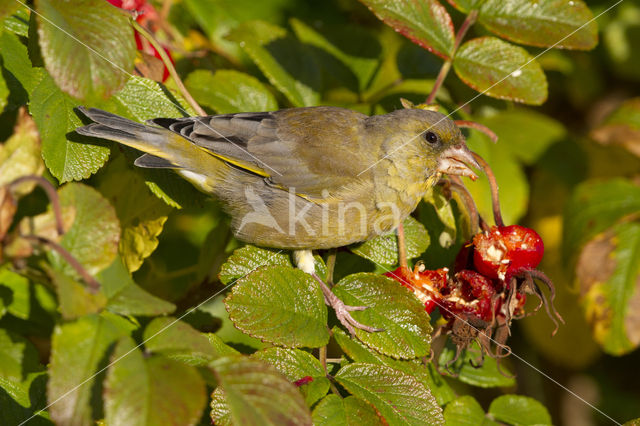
(67, 159)
(19, 301)
(229, 91)
(464, 411)
(20, 154)
(4, 93)
(407, 331)
(178, 340)
(524, 132)
(336, 411)
(281, 305)
(141, 214)
(543, 23)
(86, 60)
(383, 250)
(125, 297)
(444, 210)
(7, 9)
(593, 207)
(295, 364)
(219, 346)
(425, 23)
(501, 70)
(151, 390)
(247, 259)
(486, 376)
(398, 397)
(622, 127)
(286, 63)
(608, 272)
(252, 392)
(77, 350)
(93, 237)
(427, 375)
(519, 410)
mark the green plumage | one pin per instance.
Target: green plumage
(348, 176)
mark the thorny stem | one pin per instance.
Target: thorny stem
(477, 126)
(474, 216)
(51, 193)
(402, 248)
(93, 284)
(167, 63)
(493, 184)
(446, 67)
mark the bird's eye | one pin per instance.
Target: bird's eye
(431, 137)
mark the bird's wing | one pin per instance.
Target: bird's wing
(306, 150)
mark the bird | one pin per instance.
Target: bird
(305, 178)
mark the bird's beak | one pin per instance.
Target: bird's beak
(457, 160)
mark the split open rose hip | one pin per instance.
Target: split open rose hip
(503, 251)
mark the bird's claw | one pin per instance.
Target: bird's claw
(342, 310)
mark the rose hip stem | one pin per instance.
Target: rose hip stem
(477, 126)
(497, 215)
(474, 217)
(51, 193)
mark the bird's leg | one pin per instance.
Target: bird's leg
(304, 261)
(402, 249)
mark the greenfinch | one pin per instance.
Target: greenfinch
(302, 178)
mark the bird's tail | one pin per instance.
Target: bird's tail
(163, 148)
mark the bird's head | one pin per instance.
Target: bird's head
(429, 138)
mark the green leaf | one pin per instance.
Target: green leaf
(229, 91)
(543, 23)
(178, 340)
(407, 331)
(286, 63)
(74, 298)
(295, 364)
(608, 272)
(86, 60)
(4, 93)
(281, 305)
(19, 295)
(524, 132)
(125, 297)
(397, 396)
(425, 374)
(464, 411)
(221, 348)
(444, 210)
(425, 23)
(78, 350)
(20, 154)
(20, 76)
(514, 186)
(252, 392)
(359, 62)
(151, 390)
(594, 207)
(142, 215)
(501, 70)
(67, 159)
(22, 381)
(519, 410)
(383, 250)
(247, 259)
(486, 376)
(93, 237)
(622, 127)
(336, 411)
(7, 9)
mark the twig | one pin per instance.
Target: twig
(93, 284)
(167, 63)
(331, 264)
(477, 126)
(446, 66)
(474, 217)
(493, 184)
(51, 193)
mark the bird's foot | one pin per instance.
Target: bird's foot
(343, 311)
